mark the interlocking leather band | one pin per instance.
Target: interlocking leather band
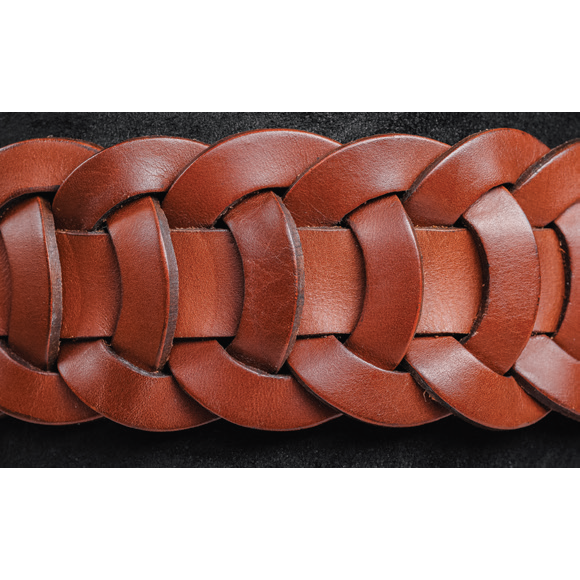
(278, 279)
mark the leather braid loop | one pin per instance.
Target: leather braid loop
(271, 254)
(392, 303)
(278, 280)
(29, 388)
(124, 382)
(548, 192)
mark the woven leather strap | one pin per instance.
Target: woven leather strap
(278, 279)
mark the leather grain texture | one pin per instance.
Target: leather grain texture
(492, 282)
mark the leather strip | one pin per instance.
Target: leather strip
(278, 279)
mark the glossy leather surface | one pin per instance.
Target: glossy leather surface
(464, 183)
(277, 279)
(29, 389)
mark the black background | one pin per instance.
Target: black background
(555, 441)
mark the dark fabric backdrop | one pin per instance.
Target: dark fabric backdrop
(555, 441)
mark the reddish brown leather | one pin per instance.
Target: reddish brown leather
(552, 281)
(270, 250)
(148, 315)
(452, 280)
(38, 396)
(550, 186)
(27, 391)
(238, 166)
(126, 394)
(120, 269)
(511, 282)
(512, 285)
(395, 298)
(36, 305)
(91, 283)
(132, 391)
(468, 387)
(453, 183)
(568, 335)
(136, 167)
(356, 173)
(40, 165)
(551, 375)
(548, 369)
(243, 394)
(371, 394)
(548, 193)
(334, 281)
(273, 266)
(211, 282)
(387, 300)
(5, 290)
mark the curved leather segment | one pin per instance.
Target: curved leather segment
(513, 273)
(550, 186)
(37, 396)
(269, 247)
(458, 380)
(135, 398)
(368, 393)
(468, 170)
(36, 305)
(244, 395)
(392, 303)
(39, 165)
(549, 368)
(238, 166)
(568, 335)
(146, 323)
(551, 375)
(357, 173)
(552, 281)
(137, 167)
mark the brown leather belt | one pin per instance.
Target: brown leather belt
(278, 279)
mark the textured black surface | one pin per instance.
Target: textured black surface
(109, 128)
(555, 441)
(344, 443)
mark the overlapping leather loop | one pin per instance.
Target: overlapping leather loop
(124, 382)
(238, 385)
(278, 280)
(238, 166)
(29, 387)
(510, 305)
(339, 374)
(452, 184)
(548, 192)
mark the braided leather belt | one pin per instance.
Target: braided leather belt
(279, 279)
